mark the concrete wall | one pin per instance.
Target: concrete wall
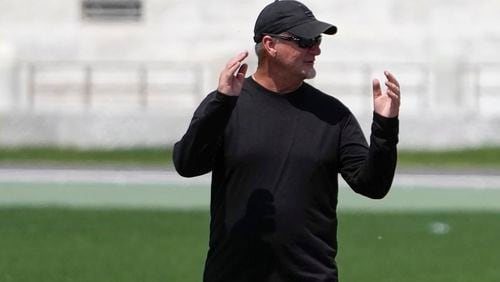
(211, 30)
(446, 102)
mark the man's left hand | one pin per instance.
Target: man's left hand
(387, 103)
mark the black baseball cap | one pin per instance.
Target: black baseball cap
(289, 16)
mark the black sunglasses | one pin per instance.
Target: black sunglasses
(301, 41)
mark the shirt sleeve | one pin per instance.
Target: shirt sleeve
(369, 170)
(194, 154)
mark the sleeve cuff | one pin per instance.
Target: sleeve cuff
(384, 127)
(224, 98)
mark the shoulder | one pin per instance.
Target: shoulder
(324, 106)
(319, 96)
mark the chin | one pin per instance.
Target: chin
(309, 73)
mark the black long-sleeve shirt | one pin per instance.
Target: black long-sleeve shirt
(275, 159)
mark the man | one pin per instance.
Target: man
(275, 146)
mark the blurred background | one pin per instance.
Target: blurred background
(118, 73)
(94, 93)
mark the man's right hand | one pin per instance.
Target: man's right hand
(232, 76)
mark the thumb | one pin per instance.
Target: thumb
(377, 91)
(242, 71)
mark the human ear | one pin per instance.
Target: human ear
(270, 45)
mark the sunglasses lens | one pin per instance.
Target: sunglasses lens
(309, 42)
(305, 43)
(301, 41)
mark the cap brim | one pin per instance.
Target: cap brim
(313, 29)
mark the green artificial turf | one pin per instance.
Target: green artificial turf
(419, 246)
(75, 156)
(57, 244)
(91, 245)
(487, 157)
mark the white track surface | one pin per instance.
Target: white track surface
(148, 188)
(167, 177)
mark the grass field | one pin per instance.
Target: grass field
(120, 232)
(60, 244)
(487, 157)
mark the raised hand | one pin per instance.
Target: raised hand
(387, 103)
(232, 76)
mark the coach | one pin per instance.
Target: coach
(275, 146)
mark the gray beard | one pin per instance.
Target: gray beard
(310, 74)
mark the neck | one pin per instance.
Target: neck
(275, 81)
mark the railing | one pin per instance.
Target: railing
(163, 85)
(351, 82)
(94, 85)
(485, 86)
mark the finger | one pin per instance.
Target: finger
(393, 87)
(393, 96)
(243, 55)
(377, 91)
(234, 64)
(237, 60)
(242, 71)
(391, 77)
(230, 71)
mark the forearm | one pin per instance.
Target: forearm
(370, 171)
(382, 157)
(195, 152)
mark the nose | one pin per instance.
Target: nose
(315, 50)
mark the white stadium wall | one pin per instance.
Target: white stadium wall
(70, 76)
